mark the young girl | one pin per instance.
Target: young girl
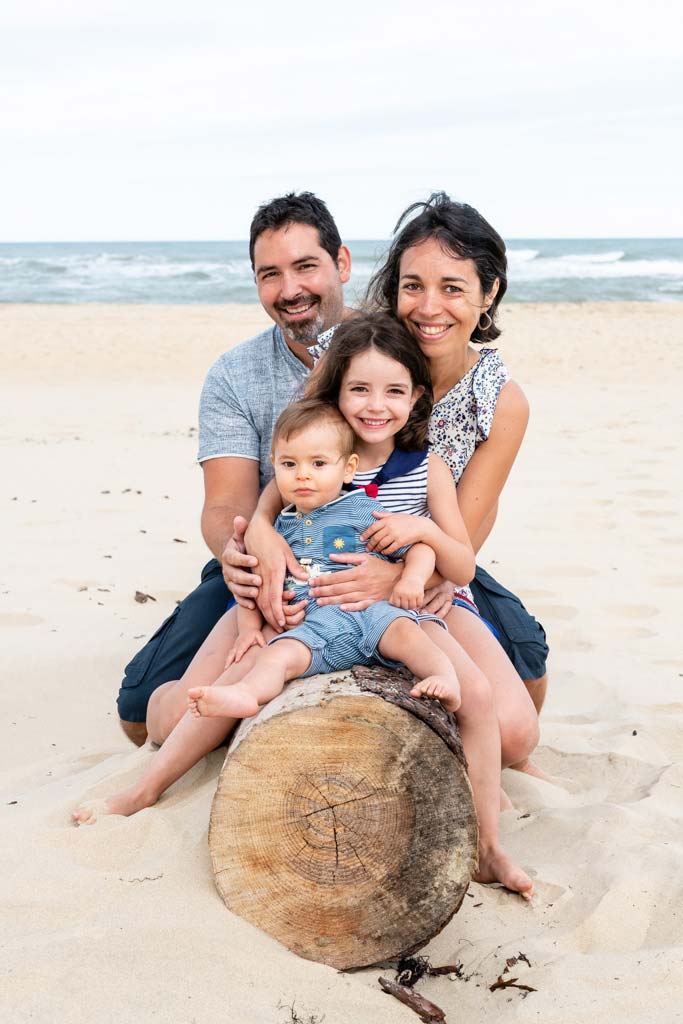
(380, 381)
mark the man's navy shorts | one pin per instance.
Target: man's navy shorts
(519, 633)
(167, 654)
(169, 651)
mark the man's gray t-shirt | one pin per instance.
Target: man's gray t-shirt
(245, 391)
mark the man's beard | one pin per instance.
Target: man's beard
(305, 332)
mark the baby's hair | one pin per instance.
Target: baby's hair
(308, 412)
(381, 332)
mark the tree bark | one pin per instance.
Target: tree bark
(343, 824)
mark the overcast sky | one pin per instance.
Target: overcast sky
(159, 119)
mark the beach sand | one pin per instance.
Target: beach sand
(101, 498)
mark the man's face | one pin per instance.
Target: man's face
(299, 284)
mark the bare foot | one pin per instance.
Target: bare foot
(496, 866)
(529, 768)
(235, 701)
(506, 803)
(445, 689)
(128, 802)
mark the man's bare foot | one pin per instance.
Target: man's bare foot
(234, 701)
(496, 866)
(445, 689)
(530, 768)
(128, 802)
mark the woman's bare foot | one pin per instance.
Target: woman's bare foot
(496, 866)
(128, 802)
(530, 768)
(235, 701)
(445, 689)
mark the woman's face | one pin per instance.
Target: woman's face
(440, 298)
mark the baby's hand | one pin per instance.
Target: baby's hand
(408, 593)
(252, 638)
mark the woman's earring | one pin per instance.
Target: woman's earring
(485, 327)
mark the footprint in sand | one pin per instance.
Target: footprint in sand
(570, 571)
(635, 632)
(656, 513)
(633, 611)
(19, 619)
(669, 581)
(601, 778)
(649, 492)
(564, 612)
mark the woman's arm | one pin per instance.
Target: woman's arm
(485, 474)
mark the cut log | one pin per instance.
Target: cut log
(343, 823)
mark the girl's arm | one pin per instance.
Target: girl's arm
(488, 469)
(445, 532)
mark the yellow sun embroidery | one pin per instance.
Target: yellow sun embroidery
(338, 543)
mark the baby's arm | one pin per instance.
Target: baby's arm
(249, 626)
(418, 566)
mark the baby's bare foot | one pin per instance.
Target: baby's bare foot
(529, 767)
(496, 866)
(221, 702)
(445, 689)
(128, 802)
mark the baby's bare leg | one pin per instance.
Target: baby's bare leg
(168, 703)
(274, 667)
(404, 641)
(191, 740)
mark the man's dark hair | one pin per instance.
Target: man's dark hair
(304, 208)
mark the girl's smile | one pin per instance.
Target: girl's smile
(376, 397)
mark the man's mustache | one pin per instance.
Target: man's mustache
(286, 304)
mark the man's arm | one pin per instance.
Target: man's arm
(231, 487)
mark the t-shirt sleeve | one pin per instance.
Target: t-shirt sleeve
(225, 424)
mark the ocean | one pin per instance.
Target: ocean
(540, 270)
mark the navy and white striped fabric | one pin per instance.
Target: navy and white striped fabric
(406, 493)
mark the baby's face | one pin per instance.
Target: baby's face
(310, 467)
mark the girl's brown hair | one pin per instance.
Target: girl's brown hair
(381, 332)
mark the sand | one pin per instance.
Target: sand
(101, 497)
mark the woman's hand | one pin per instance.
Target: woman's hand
(438, 600)
(394, 530)
(251, 638)
(370, 579)
(275, 560)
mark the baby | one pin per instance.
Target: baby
(313, 458)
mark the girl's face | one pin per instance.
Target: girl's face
(440, 298)
(376, 396)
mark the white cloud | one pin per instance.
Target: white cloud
(165, 120)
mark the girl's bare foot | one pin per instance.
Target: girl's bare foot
(235, 701)
(496, 866)
(445, 689)
(128, 802)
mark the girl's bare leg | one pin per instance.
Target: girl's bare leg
(188, 742)
(274, 667)
(404, 641)
(517, 716)
(480, 734)
(168, 703)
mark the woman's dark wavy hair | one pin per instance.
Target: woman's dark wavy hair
(462, 232)
(388, 336)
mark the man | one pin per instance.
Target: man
(300, 267)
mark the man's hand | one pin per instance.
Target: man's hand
(251, 638)
(408, 593)
(370, 579)
(275, 560)
(438, 600)
(236, 564)
(394, 530)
